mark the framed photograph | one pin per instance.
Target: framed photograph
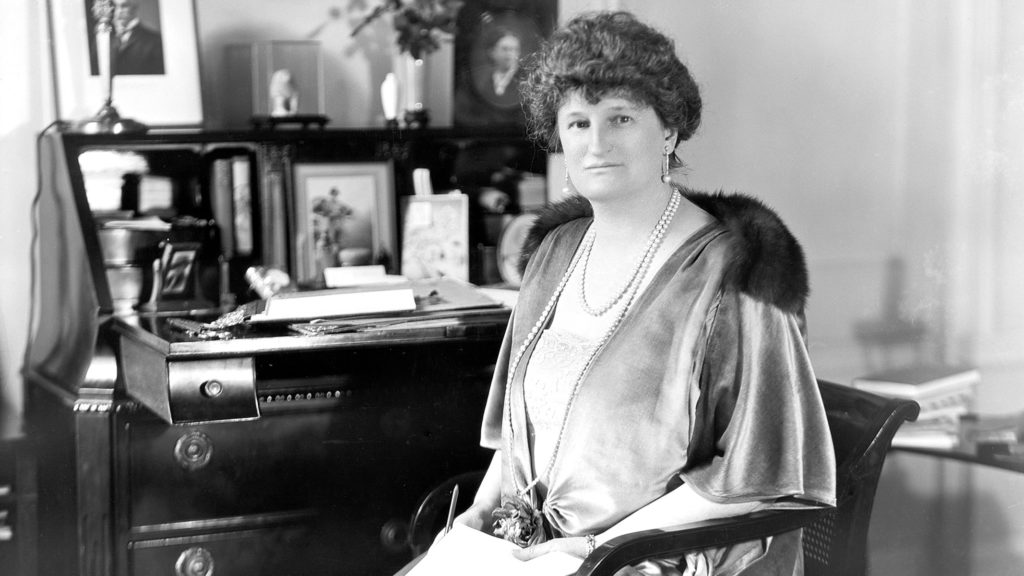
(435, 237)
(154, 59)
(493, 39)
(178, 270)
(344, 216)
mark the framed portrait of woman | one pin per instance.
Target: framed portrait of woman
(153, 57)
(493, 39)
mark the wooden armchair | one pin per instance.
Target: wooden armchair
(835, 539)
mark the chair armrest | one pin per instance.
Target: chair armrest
(638, 546)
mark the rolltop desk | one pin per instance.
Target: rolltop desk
(265, 453)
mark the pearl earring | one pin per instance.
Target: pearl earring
(666, 176)
(565, 187)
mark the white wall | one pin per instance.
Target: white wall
(354, 67)
(877, 129)
(806, 108)
(24, 111)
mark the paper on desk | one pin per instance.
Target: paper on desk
(345, 276)
(468, 552)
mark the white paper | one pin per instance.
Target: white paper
(155, 193)
(419, 215)
(345, 276)
(468, 552)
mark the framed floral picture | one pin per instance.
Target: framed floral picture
(344, 216)
(153, 60)
(493, 39)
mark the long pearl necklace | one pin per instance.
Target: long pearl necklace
(653, 241)
(630, 294)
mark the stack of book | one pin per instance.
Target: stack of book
(945, 394)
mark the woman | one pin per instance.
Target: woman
(497, 83)
(654, 371)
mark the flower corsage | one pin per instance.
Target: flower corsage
(519, 522)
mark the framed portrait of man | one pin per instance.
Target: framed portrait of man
(136, 42)
(493, 40)
(153, 59)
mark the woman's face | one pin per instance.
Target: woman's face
(505, 53)
(612, 148)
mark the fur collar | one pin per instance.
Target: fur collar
(767, 264)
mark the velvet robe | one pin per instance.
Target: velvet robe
(705, 381)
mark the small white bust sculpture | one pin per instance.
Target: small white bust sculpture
(284, 97)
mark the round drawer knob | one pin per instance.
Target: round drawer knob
(211, 388)
(195, 561)
(193, 450)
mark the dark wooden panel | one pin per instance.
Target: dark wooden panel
(289, 550)
(181, 473)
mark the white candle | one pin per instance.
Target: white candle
(103, 56)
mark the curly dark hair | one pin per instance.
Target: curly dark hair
(603, 54)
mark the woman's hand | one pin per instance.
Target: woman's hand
(476, 517)
(576, 546)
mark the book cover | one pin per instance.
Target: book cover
(953, 399)
(332, 303)
(241, 189)
(947, 418)
(221, 190)
(919, 381)
(933, 439)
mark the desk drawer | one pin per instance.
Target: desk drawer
(297, 458)
(182, 473)
(281, 550)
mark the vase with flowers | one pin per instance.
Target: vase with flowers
(419, 25)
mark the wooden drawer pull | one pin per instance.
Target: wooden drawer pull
(195, 561)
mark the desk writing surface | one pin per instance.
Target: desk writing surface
(184, 378)
(155, 333)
